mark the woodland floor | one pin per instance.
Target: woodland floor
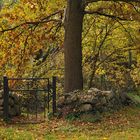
(121, 125)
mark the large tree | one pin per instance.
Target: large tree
(72, 45)
(73, 37)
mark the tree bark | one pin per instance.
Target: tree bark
(72, 45)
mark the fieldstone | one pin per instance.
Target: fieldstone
(1, 108)
(1, 102)
(95, 90)
(11, 102)
(86, 99)
(98, 105)
(105, 109)
(110, 105)
(61, 101)
(108, 94)
(95, 100)
(103, 100)
(85, 107)
(68, 101)
(90, 91)
(12, 111)
(1, 93)
(17, 109)
(1, 113)
(71, 99)
(14, 97)
(1, 96)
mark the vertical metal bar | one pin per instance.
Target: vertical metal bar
(130, 58)
(54, 94)
(36, 92)
(6, 98)
(48, 100)
(44, 97)
(28, 87)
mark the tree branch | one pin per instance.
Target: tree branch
(106, 15)
(43, 20)
(90, 1)
(114, 52)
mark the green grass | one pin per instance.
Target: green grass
(15, 134)
(135, 97)
(121, 125)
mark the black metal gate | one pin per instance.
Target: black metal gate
(36, 98)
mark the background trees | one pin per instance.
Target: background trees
(74, 21)
(106, 33)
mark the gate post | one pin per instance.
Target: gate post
(54, 94)
(6, 98)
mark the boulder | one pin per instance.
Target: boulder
(1, 94)
(85, 108)
(87, 98)
(1, 108)
(103, 101)
(1, 102)
(94, 90)
(61, 101)
(12, 111)
(108, 94)
(13, 104)
(70, 99)
(1, 113)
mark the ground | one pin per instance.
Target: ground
(120, 125)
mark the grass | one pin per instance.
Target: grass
(120, 125)
(135, 97)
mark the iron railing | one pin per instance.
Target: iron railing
(27, 87)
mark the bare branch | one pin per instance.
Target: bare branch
(90, 1)
(129, 34)
(106, 15)
(135, 8)
(117, 50)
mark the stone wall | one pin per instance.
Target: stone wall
(93, 100)
(14, 107)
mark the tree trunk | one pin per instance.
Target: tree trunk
(72, 45)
